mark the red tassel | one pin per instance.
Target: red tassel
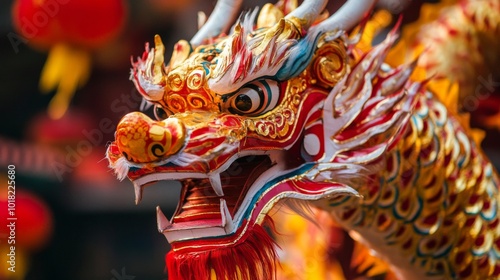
(252, 257)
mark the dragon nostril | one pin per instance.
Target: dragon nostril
(125, 155)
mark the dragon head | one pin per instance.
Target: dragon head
(282, 108)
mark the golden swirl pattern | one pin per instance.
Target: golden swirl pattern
(175, 81)
(198, 101)
(276, 123)
(176, 103)
(196, 79)
(265, 129)
(329, 63)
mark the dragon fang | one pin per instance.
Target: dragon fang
(286, 108)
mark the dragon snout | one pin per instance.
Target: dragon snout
(143, 140)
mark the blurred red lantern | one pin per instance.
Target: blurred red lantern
(34, 220)
(29, 230)
(71, 29)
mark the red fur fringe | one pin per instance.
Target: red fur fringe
(253, 257)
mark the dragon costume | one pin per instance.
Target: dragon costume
(287, 108)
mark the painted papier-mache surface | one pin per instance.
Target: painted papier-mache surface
(286, 108)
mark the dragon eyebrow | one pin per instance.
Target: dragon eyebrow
(246, 58)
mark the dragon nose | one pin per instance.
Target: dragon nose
(143, 140)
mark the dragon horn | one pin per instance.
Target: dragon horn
(219, 21)
(308, 11)
(348, 16)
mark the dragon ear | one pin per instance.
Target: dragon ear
(269, 16)
(287, 6)
(181, 52)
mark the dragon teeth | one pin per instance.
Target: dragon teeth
(216, 184)
(138, 193)
(227, 221)
(161, 220)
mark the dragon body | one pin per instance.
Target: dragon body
(466, 32)
(286, 109)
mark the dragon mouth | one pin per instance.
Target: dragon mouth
(217, 204)
(208, 207)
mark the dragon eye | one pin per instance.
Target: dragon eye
(254, 99)
(160, 113)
